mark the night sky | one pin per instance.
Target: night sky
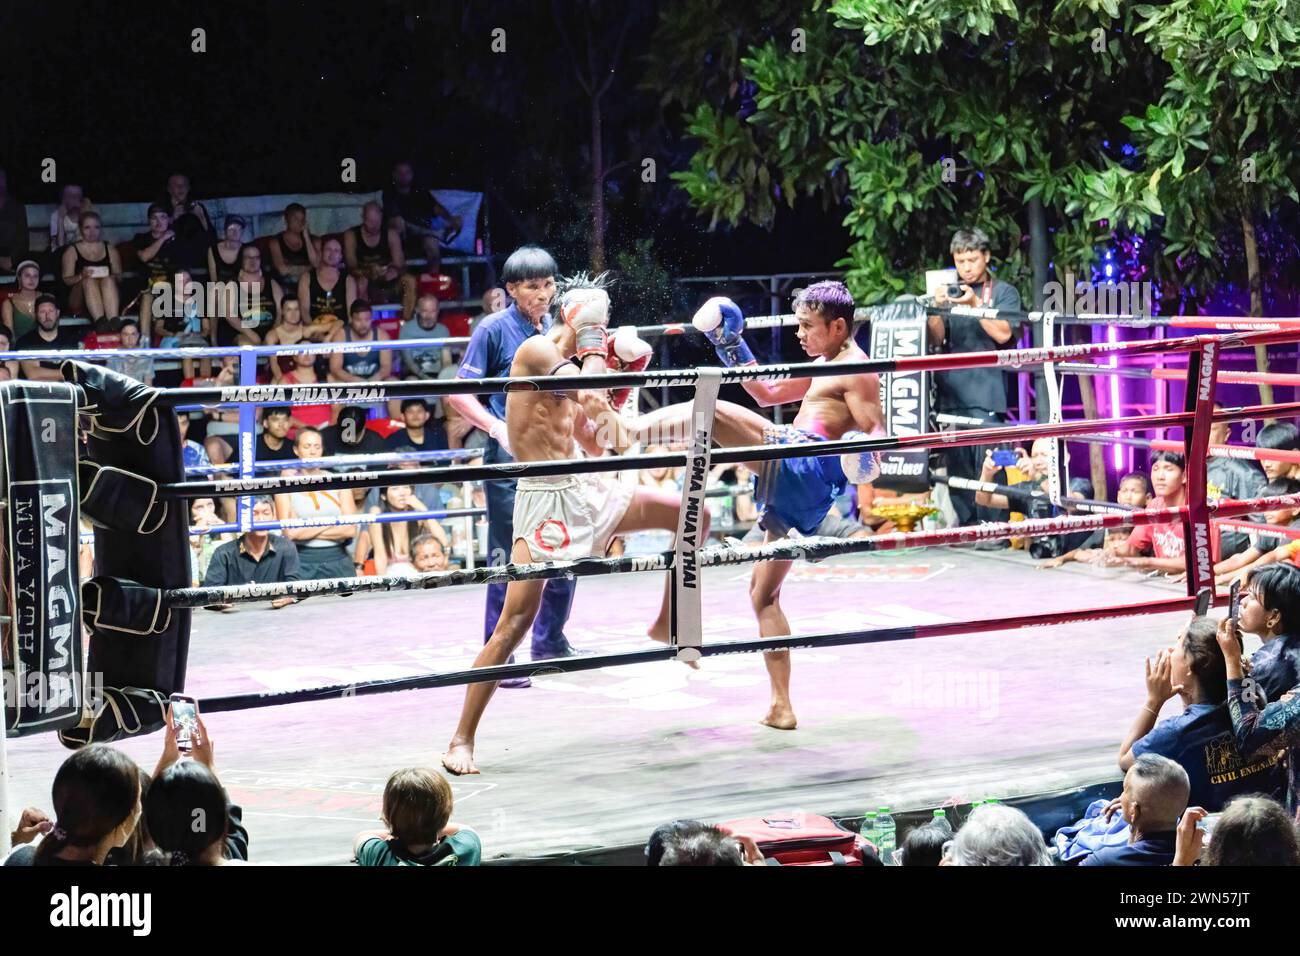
(285, 91)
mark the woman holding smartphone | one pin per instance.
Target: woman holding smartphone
(91, 268)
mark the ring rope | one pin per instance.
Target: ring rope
(510, 470)
(709, 556)
(1244, 452)
(596, 661)
(369, 392)
(342, 461)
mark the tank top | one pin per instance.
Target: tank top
(317, 504)
(83, 262)
(317, 416)
(292, 258)
(286, 362)
(376, 255)
(362, 364)
(226, 271)
(322, 301)
(161, 268)
(261, 312)
(24, 322)
(257, 314)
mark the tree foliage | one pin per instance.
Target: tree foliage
(914, 118)
(1218, 139)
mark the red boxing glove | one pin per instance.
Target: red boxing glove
(627, 352)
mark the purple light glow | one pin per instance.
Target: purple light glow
(1117, 452)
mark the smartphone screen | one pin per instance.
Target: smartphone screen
(1004, 457)
(185, 718)
(1202, 602)
(1234, 600)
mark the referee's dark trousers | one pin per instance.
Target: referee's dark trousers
(557, 597)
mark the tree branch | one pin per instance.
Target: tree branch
(613, 61)
(558, 17)
(623, 164)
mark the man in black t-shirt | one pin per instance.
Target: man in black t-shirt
(422, 431)
(273, 443)
(351, 437)
(1231, 478)
(162, 255)
(418, 217)
(978, 392)
(47, 335)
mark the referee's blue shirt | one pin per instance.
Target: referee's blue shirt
(492, 349)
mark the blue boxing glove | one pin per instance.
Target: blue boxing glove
(723, 324)
(860, 467)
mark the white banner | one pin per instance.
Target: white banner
(687, 629)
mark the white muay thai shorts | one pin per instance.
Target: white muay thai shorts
(567, 517)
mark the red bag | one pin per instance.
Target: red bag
(795, 838)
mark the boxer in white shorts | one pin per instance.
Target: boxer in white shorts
(565, 517)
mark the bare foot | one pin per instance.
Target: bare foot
(780, 717)
(662, 636)
(459, 758)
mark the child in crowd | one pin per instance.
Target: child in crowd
(1279, 436)
(1134, 492)
(1265, 548)
(138, 367)
(185, 326)
(416, 813)
(1158, 547)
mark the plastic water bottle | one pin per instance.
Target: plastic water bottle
(940, 818)
(869, 831)
(888, 841)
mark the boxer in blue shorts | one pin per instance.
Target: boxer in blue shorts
(793, 494)
(796, 493)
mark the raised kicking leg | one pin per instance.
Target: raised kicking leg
(765, 595)
(734, 426)
(652, 508)
(523, 598)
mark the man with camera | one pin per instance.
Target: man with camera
(977, 393)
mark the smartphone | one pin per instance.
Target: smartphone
(1202, 602)
(185, 718)
(1234, 600)
(1004, 457)
(1206, 826)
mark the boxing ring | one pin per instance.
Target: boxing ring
(1025, 680)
